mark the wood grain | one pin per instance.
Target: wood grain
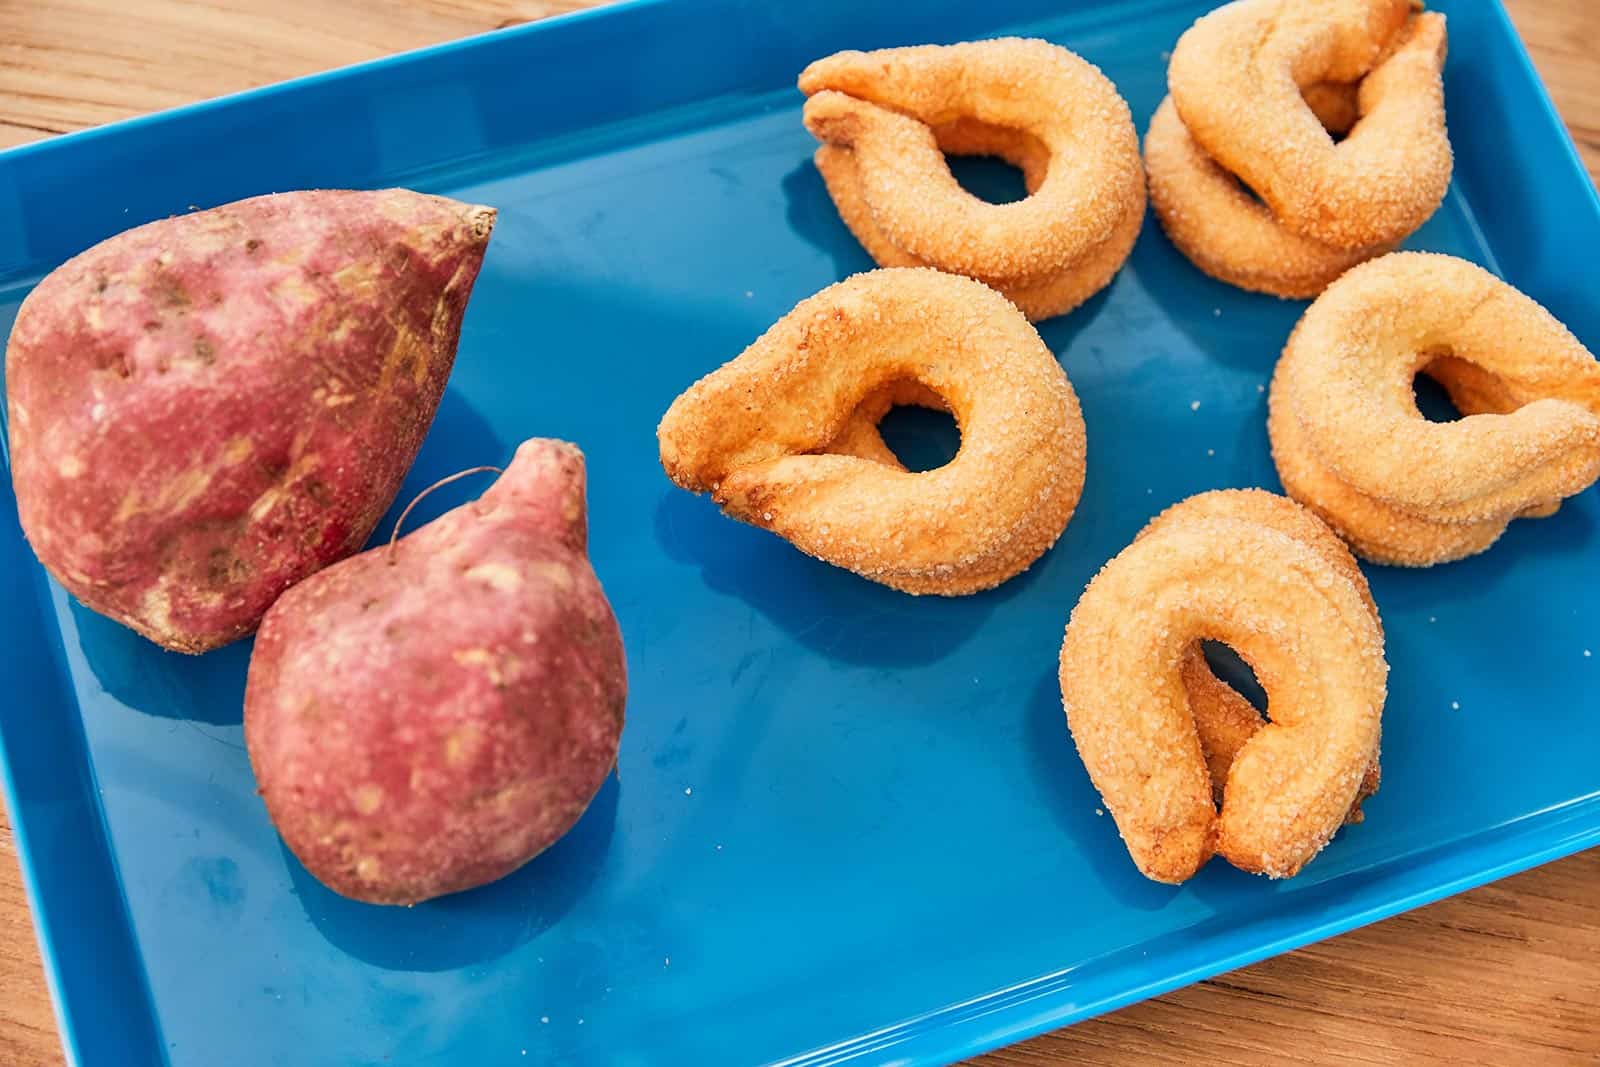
(1507, 973)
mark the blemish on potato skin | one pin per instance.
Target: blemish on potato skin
(128, 508)
(237, 450)
(294, 293)
(157, 609)
(368, 798)
(481, 657)
(505, 799)
(175, 496)
(408, 357)
(316, 491)
(357, 279)
(458, 746)
(300, 468)
(224, 568)
(173, 292)
(557, 574)
(183, 490)
(498, 576)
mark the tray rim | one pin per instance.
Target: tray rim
(969, 1027)
(967, 1017)
(43, 936)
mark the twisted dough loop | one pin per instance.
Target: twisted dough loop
(1236, 78)
(887, 118)
(1223, 230)
(1349, 442)
(1232, 566)
(749, 431)
(1224, 720)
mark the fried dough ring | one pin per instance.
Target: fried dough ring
(1223, 719)
(887, 118)
(748, 433)
(1231, 566)
(1236, 78)
(1226, 232)
(1349, 442)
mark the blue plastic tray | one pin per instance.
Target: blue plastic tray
(849, 823)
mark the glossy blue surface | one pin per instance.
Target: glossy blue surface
(848, 823)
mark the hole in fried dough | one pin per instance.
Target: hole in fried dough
(989, 178)
(1228, 666)
(1433, 402)
(920, 438)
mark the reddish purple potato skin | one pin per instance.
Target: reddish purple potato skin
(206, 409)
(427, 720)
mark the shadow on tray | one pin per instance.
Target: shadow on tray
(1075, 804)
(169, 685)
(825, 608)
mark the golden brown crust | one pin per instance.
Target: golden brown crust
(1224, 719)
(887, 119)
(1349, 442)
(1223, 230)
(1206, 211)
(1251, 570)
(1236, 78)
(749, 433)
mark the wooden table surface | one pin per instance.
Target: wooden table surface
(1507, 973)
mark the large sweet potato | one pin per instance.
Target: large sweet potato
(206, 409)
(428, 718)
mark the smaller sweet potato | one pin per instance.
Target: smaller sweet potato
(426, 718)
(208, 408)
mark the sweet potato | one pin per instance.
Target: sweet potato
(428, 718)
(208, 408)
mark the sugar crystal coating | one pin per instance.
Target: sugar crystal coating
(777, 437)
(1161, 738)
